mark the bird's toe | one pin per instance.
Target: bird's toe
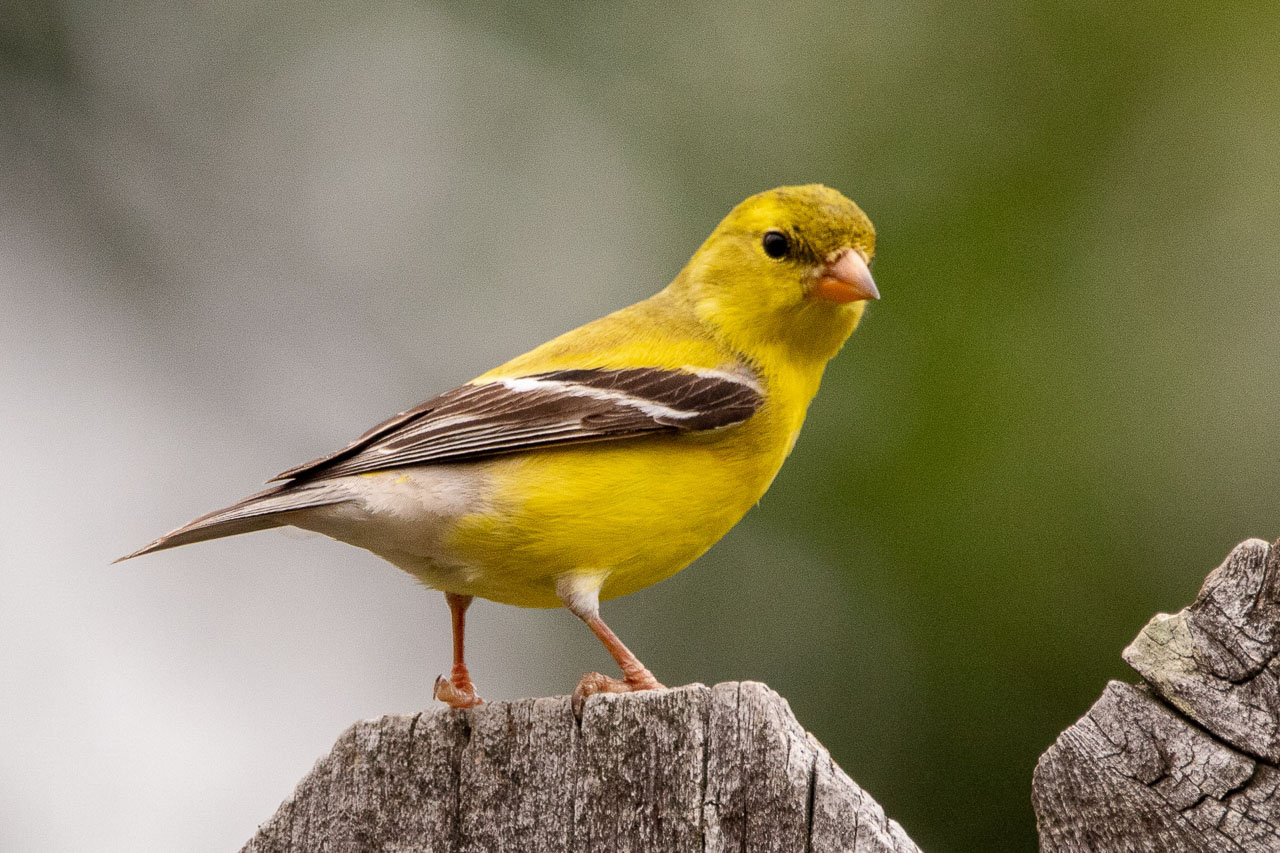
(594, 682)
(460, 695)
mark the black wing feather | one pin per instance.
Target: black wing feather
(543, 410)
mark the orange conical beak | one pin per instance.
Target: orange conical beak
(846, 278)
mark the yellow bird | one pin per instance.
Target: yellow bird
(606, 459)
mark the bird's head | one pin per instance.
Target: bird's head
(786, 268)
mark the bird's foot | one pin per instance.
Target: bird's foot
(456, 692)
(593, 683)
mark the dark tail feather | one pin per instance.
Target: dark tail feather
(262, 511)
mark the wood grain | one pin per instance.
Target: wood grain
(693, 768)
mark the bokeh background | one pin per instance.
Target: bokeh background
(233, 235)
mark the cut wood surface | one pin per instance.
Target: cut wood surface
(694, 768)
(1186, 761)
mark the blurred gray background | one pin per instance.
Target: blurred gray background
(234, 235)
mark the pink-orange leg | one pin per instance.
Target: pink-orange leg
(457, 691)
(635, 676)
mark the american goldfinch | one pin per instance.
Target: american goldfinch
(606, 459)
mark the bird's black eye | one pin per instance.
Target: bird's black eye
(776, 245)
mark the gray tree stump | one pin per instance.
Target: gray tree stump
(699, 769)
(1188, 760)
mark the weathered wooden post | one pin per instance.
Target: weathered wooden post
(1188, 760)
(725, 768)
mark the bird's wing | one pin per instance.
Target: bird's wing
(560, 407)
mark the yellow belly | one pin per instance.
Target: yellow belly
(634, 512)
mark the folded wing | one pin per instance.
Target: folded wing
(541, 410)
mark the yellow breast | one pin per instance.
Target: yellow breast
(632, 511)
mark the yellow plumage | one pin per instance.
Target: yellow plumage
(637, 511)
(759, 310)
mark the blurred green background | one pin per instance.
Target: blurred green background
(237, 234)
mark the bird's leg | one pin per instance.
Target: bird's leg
(583, 600)
(457, 691)
(635, 676)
